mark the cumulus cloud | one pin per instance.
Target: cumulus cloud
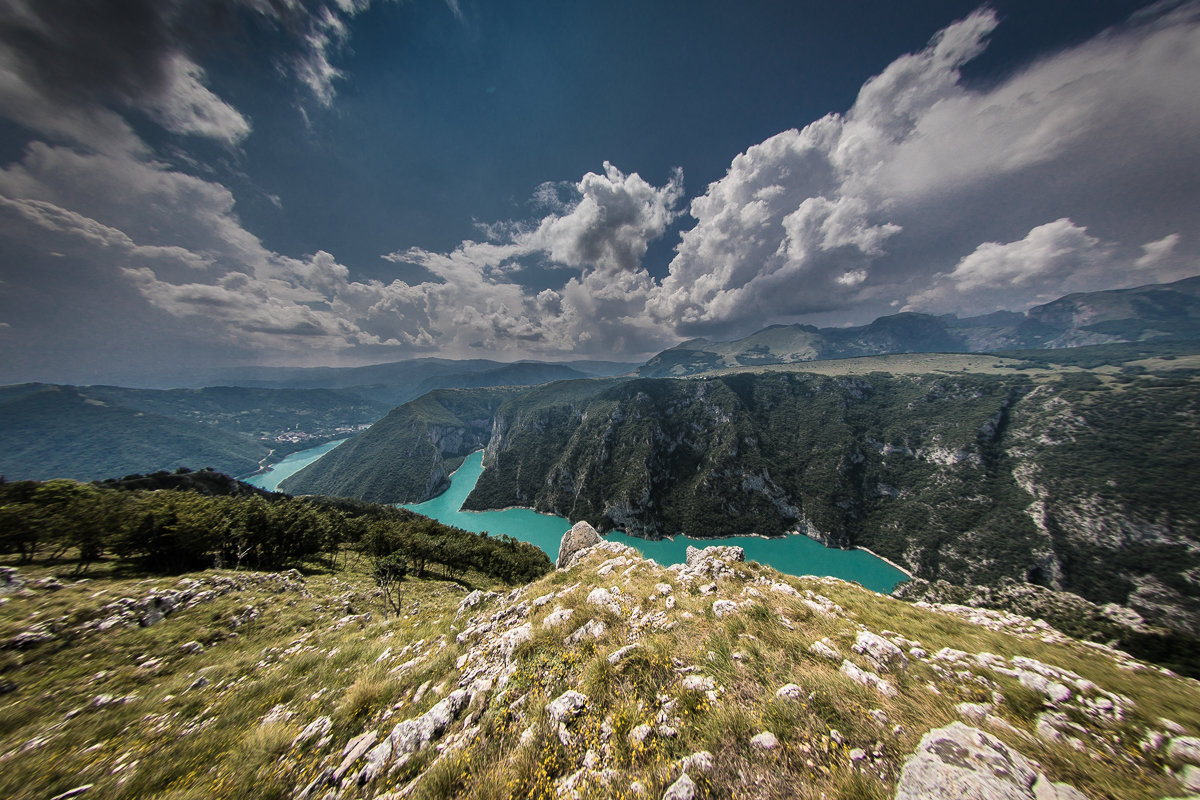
(853, 211)
(1075, 172)
(602, 233)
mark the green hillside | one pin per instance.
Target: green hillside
(96, 432)
(406, 456)
(59, 432)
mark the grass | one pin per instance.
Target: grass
(304, 657)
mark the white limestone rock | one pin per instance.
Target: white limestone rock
(566, 706)
(764, 741)
(882, 654)
(958, 762)
(682, 789)
(723, 608)
(574, 542)
(825, 649)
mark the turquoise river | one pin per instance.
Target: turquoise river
(795, 555)
(289, 466)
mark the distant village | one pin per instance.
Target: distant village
(298, 436)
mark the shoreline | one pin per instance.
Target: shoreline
(887, 561)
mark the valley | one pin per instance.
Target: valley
(966, 468)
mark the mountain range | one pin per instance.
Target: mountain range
(1157, 312)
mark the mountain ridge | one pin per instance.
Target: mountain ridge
(1153, 312)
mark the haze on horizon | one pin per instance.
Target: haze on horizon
(189, 185)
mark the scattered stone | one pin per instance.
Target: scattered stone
(789, 691)
(509, 640)
(413, 735)
(825, 649)
(1171, 726)
(574, 542)
(698, 683)
(314, 730)
(1185, 750)
(868, 679)
(566, 706)
(557, 617)
(695, 556)
(1043, 789)
(857, 755)
(615, 656)
(278, 713)
(723, 608)
(701, 761)
(882, 654)
(682, 789)
(764, 741)
(78, 790)
(352, 752)
(973, 712)
(199, 683)
(592, 629)
(641, 733)
(191, 647)
(10, 580)
(604, 599)
(1189, 776)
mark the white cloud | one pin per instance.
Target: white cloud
(1052, 260)
(927, 191)
(1157, 252)
(853, 211)
(187, 105)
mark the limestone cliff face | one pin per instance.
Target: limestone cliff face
(973, 478)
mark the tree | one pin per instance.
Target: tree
(390, 571)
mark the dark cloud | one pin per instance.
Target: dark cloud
(135, 53)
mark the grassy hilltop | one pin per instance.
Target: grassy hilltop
(613, 678)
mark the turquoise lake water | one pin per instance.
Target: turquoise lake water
(290, 465)
(795, 555)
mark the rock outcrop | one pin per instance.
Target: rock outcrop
(579, 538)
(958, 762)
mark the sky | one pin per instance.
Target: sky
(194, 184)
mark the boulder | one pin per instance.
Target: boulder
(959, 762)
(579, 538)
(764, 741)
(723, 608)
(682, 789)
(882, 654)
(566, 706)
(1185, 750)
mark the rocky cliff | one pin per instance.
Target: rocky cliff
(1075, 480)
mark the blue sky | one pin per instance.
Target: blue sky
(201, 184)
